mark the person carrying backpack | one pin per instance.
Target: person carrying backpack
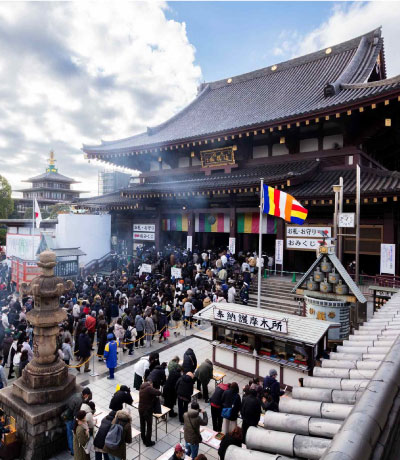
(110, 354)
(118, 436)
(271, 386)
(100, 438)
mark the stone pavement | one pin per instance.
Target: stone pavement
(103, 389)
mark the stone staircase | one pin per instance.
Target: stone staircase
(275, 295)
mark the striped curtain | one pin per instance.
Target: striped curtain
(212, 223)
(175, 223)
(249, 222)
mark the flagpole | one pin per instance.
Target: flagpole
(260, 243)
(33, 227)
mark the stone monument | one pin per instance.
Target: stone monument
(37, 399)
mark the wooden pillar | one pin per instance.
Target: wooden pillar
(232, 218)
(191, 224)
(157, 236)
(388, 228)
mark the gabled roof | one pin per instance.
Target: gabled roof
(300, 328)
(52, 176)
(306, 85)
(340, 269)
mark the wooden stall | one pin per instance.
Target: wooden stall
(252, 341)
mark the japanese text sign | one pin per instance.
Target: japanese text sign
(144, 228)
(302, 243)
(246, 319)
(307, 232)
(145, 236)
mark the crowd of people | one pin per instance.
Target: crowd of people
(127, 310)
(171, 384)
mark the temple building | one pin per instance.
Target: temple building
(301, 125)
(49, 188)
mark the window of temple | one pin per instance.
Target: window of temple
(196, 161)
(183, 162)
(309, 145)
(331, 142)
(154, 166)
(260, 151)
(279, 149)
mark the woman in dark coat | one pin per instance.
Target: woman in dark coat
(231, 399)
(169, 389)
(232, 439)
(251, 411)
(189, 361)
(101, 336)
(100, 438)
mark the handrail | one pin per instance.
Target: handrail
(96, 263)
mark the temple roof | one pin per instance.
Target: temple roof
(52, 176)
(311, 84)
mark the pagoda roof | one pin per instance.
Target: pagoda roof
(52, 176)
(312, 84)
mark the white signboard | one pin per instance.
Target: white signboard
(346, 220)
(232, 245)
(307, 244)
(145, 268)
(189, 243)
(279, 252)
(144, 228)
(145, 236)
(307, 232)
(176, 273)
(22, 246)
(388, 252)
(260, 322)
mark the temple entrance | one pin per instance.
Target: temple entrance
(248, 242)
(209, 240)
(173, 238)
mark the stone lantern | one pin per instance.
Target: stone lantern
(37, 399)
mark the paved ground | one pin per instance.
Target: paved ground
(103, 389)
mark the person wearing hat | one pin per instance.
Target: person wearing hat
(244, 293)
(271, 386)
(110, 355)
(231, 291)
(178, 453)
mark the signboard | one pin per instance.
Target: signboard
(302, 243)
(22, 246)
(388, 252)
(346, 220)
(145, 236)
(144, 228)
(307, 232)
(279, 252)
(176, 273)
(145, 268)
(189, 243)
(217, 157)
(260, 322)
(232, 245)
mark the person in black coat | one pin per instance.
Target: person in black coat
(235, 438)
(216, 406)
(85, 347)
(231, 399)
(123, 395)
(169, 389)
(189, 361)
(184, 391)
(157, 376)
(100, 438)
(251, 411)
(272, 386)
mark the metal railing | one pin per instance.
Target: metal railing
(95, 264)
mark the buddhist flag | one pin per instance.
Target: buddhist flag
(38, 214)
(281, 204)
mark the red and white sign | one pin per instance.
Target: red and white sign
(145, 236)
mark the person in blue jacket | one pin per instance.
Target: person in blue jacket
(110, 354)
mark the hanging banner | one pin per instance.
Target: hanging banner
(279, 252)
(388, 252)
(176, 273)
(189, 243)
(232, 245)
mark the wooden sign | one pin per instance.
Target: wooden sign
(217, 157)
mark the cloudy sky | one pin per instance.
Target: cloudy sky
(73, 73)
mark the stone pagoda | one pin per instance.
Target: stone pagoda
(37, 399)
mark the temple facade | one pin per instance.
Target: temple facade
(301, 125)
(49, 188)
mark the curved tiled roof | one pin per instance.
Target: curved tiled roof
(273, 94)
(52, 176)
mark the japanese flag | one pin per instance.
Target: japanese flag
(38, 215)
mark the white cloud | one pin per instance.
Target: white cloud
(348, 20)
(76, 72)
